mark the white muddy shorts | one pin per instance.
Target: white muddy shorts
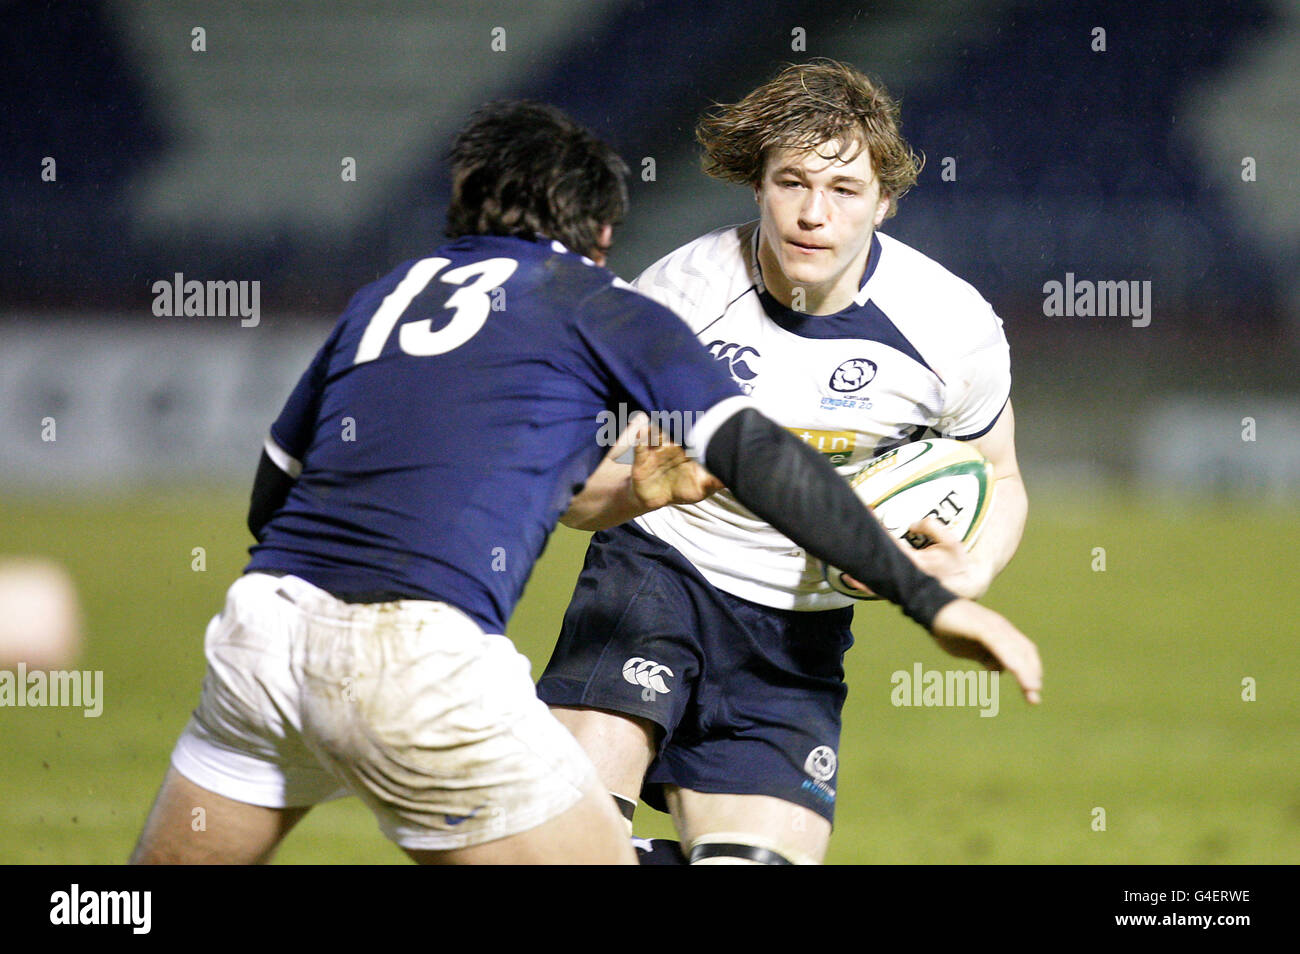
(435, 724)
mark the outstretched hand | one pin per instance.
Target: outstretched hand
(662, 474)
(969, 631)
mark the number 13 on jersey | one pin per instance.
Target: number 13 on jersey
(470, 304)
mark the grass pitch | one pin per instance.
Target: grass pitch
(1143, 717)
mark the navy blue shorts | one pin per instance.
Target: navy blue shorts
(748, 697)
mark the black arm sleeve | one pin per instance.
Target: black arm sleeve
(789, 485)
(270, 489)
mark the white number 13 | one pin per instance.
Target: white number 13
(469, 302)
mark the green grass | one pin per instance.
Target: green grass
(1142, 716)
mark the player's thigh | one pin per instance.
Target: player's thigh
(190, 825)
(619, 744)
(756, 823)
(628, 642)
(435, 725)
(772, 702)
(590, 833)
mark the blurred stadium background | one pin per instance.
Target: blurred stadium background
(1169, 157)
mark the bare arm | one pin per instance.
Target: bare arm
(660, 474)
(1006, 521)
(605, 497)
(1005, 524)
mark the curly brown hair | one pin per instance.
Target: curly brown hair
(523, 168)
(804, 106)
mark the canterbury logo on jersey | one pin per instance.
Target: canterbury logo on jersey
(647, 673)
(739, 360)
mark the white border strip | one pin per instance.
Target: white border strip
(281, 458)
(707, 424)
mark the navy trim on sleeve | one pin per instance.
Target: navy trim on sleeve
(980, 433)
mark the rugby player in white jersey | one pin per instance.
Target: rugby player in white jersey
(702, 653)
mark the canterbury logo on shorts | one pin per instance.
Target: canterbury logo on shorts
(647, 673)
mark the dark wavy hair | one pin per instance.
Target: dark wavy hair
(804, 106)
(522, 168)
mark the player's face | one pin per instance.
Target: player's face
(818, 216)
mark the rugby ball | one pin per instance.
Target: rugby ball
(949, 480)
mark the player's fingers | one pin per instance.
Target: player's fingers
(638, 425)
(633, 436)
(664, 451)
(932, 529)
(1013, 649)
(708, 483)
(1020, 655)
(1016, 652)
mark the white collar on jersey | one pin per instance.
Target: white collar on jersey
(561, 249)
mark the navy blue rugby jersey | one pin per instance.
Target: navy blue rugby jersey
(441, 431)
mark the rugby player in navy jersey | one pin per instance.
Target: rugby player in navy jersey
(406, 490)
(852, 340)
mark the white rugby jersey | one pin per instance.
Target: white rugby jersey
(918, 348)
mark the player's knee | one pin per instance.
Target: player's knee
(739, 848)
